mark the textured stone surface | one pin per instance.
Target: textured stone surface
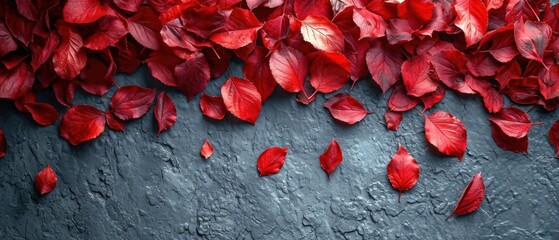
(135, 185)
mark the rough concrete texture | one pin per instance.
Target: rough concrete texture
(135, 185)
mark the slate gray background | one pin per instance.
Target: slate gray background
(135, 185)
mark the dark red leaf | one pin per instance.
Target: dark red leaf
(144, 26)
(392, 119)
(471, 197)
(203, 21)
(399, 31)
(482, 65)
(523, 90)
(96, 77)
(206, 150)
(507, 72)
(384, 62)
(113, 122)
(322, 34)
(329, 71)
(370, 24)
(69, 57)
(512, 121)
(108, 30)
(28, 8)
(162, 66)
(41, 53)
(274, 30)
(131, 102)
(430, 99)
(43, 113)
(257, 70)
(16, 82)
(165, 112)
(45, 181)
(64, 91)
(20, 27)
(84, 11)
(416, 73)
(289, 67)
(304, 8)
(127, 58)
(508, 143)
(240, 30)
(82, 123)
(242, 99)
(192, 75)
(7, 41)
(417, 12)
(331, 158)
(403, 171)
(446, 133)
(532, 39)
(472, 18)
(3, 144)
(553, 137)
(271, 160)
(345, 108)
(213, 107)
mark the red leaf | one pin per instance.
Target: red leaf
(399, 101)
(482, 65)
(403, 171)
(392, 119)
(508, 143)
(329, 71)
(305, 96)
(41, 53)
(192, 75)
(304, 8)
(96, 77)
(345, 108)
(108, 30)
(213, 107)
(331, 158)
(84, 11)
(289, 67)
(7, 41)
(322, 34)
(384, 63)
(16, 82)
(43, 113)
(417, 12)
(532, 39)
(274, 30)
(128, 5)
(430, 99)
(370, 24)
(451, 67)
(206, 150)
(553, 137)
(64, 91)
(113, 122)
(162, 66)
(257, 70)
(240, 30)
(69, 57)
(512, 121)
(507, 72)
(446, 133)
(165, 112)
(28, 8)
(127, 58)
(20, 27)
(144, 26)
(131, 102)
(399, 31)
(82, 123)
(242, 99)
(492, 99)
(271, 161)
(472, 18)
(174, 35)
(416, 73)
(471, 197)
(45, 181)
(203, 21)
(3, 144)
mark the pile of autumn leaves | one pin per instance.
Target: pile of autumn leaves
(418, 48)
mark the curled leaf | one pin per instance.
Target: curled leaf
(471, 197)
(45, 180)
(213, 107)
(392, 119)
(43, 113)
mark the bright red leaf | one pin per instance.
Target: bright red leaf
(242, 99)
(370, 24)
(322, 34)
(446, 133)
(113, 122)
(131, 102)
(508, 143)
(289, 67)
(304, 8)
(331, 158)
(82, 123)
(328, 72)
(403, 171)
(165, 112)
(384, 63)
(213, 107)
(240, 30)
(271, 160)
(471, 197)
(84, 11)
(417, 12)
(70, 56)
(472, 18)
(108, 30)
(43, 113)
(206, 150)
(392, 119)
(45, 181)
(144, 26)
(532, 39)
(451, 67)
(416, 73)
(512, 121)
(399, 101)
(257, 70)
(345, 108)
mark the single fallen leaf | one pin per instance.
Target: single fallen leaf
(165, 112)
(331, 158)
(45, 181)
(553, 137)
(392, 119)
(242, 99)
(271, 160)
(512, 121)
(416, 73)
(446, 133)
(403, 171)
(399, 101)
(3, 144)
(131, 102)
(43, 113)
(82, 123)
(213, 107)
(206, 150)
(345, 108)
(471, 197)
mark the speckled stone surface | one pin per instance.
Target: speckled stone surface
(135, 185)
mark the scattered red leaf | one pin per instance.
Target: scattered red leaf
(82, 123)
(242, 99)
(403, 171)
(131, 102)
(45, 180)
(165, 112)
(512, 121)
(345, 108)
(206, 150)
(43, 113)
(553, 137)
(446, 133)
(213, 107)
(331, 158)
(471, 197)
(271, 160)
(392, 119)
(3, 144)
